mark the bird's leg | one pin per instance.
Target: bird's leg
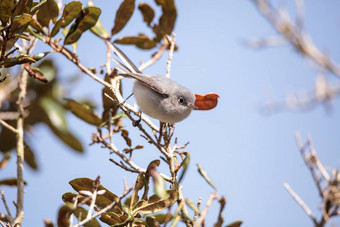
(137, 122)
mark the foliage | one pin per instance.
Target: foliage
(24, 22)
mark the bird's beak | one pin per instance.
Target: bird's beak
(192, 106)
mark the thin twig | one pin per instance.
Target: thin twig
(5, 203)
(301, 203)
(155, 57)
(198, 207)
(213, 196)
(10, 127)
(171, 52)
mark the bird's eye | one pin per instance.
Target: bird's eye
(181, 100)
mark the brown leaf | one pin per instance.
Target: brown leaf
(141, 41)
(125, 135)
(123, 15)
(207, 101)
(147, 12)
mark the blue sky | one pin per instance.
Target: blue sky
(247, 154)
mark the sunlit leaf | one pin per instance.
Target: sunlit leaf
(6, 10)
(71, 11)
(87, 19)
(147, 12)
(205, 176)
(86, 184)
(141, 41)
(140, 183)
(99, 30)
(39, 56)
(37, 26)
(37, 6)
(6, 157)
(48, 11)
(192, 206)
(156, 204)
(123, 15)
(83, 112)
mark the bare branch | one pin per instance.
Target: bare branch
(300, 202)
(10, 127)
(5, 203)
(213, 196)
(155, 57)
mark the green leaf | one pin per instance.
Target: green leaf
(6, 10)
(184, 165)
(37, 26)
(99, 30)
(71, 11)
(83, 112)
(123, 15)
(156, 204)
(147, 12)
(20, 23)
(22, 7)
(37, 6)
(192, 206)
(85, 21)
(55, 113)
(17, 60)
(113, 219)
(235, 224)
(205, 176)
(48, 11)
(86, 184)
(39, 56)
(167, 21)
(141, 41)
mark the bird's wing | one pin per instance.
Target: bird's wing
(149, 81)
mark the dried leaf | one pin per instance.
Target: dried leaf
(192, 206)
(123, 15)
(125, 135)
(235, 224)
(83, 112)
(220, 220)
(206, 101)
(205, 176)
(10, 182)
(29, 157)
(147, 12)
(64, 216)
